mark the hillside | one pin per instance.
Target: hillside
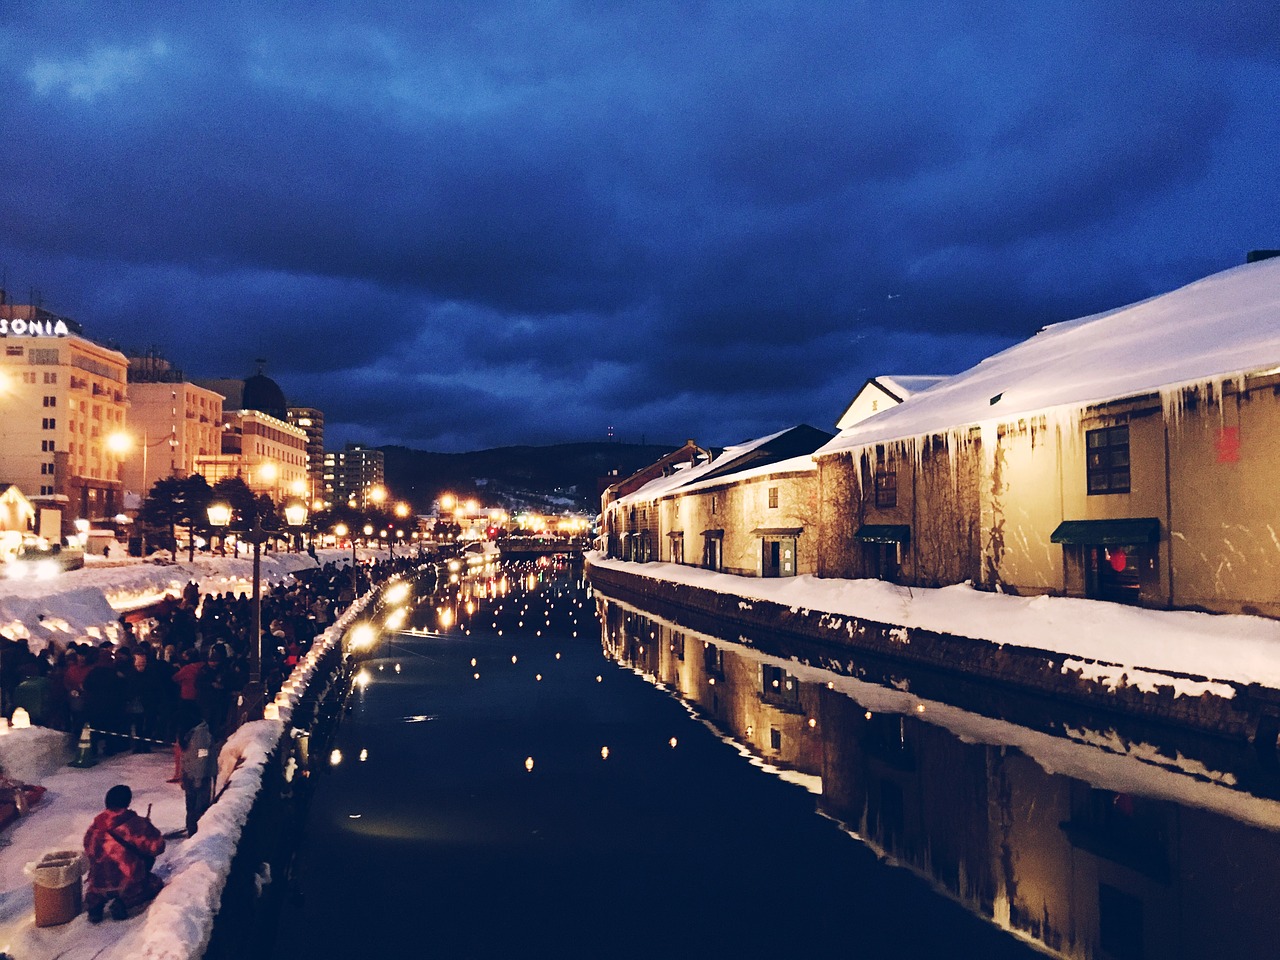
(558, 477)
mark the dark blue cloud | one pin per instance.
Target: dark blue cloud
(481, 223)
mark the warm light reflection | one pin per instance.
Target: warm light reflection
(528, 764)
(362, 678)
(362, 637)
(604, 753)
(335, 757)
(397, 593)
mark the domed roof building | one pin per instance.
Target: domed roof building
(263, 394)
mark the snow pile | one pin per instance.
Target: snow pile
(1104, 640)
(32, 753)
(87, 603)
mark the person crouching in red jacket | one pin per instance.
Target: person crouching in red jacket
(122, 847)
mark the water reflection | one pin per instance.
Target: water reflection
(1080, 839)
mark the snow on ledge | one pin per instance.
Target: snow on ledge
(1108, 639)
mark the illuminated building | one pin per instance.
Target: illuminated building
(258, 444)
(61, 397)
(172, 422)
(354, 473)
(311, 421)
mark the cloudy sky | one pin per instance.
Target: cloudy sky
(461, 224)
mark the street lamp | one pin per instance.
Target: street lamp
(295, 514)
(220, 518)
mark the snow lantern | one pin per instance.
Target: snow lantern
(21, 719)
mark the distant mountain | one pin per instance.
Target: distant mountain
(564, 476)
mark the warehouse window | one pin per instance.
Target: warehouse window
(1108, 464)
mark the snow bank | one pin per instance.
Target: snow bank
(87, 603)
(1144, 644)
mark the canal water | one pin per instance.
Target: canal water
(527, 769)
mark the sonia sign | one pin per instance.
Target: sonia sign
(33, 328)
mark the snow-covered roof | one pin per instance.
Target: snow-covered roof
(1223, 326)
(903, 387)
(883, 390)
(662, 485)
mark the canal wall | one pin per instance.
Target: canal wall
(1241, 712)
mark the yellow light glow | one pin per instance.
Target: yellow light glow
(362, 678)
(298, 487)
(919, 708)
(446, 616)
(397, 593)
(604, 753)
(528, 764)
(335, 757)
(812, 723)
(119, 443)
(364, 755)
(395, 620)
(867, 715)
(402, 509)
(672, 743)
(340, 530)
(362, 637)
(447, 501)
(377, 494)
(268, 472)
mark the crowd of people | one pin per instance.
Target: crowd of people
(174, 678)
(184, 657)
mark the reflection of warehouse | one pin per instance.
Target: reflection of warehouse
(1146, 859)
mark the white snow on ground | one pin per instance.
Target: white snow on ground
(88, 602)
(1143, 644)
(178, 923)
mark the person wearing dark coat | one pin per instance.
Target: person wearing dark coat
(121, 847)
(198, 767)
(104, 699)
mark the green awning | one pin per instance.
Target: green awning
(1108, 533)
(883, 533)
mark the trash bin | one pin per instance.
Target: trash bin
(56, 882)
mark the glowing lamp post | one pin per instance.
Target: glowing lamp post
(295, 514)
(220, 519)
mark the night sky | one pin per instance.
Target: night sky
(457, 225)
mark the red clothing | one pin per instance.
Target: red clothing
(121, 847)
(186, 679)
